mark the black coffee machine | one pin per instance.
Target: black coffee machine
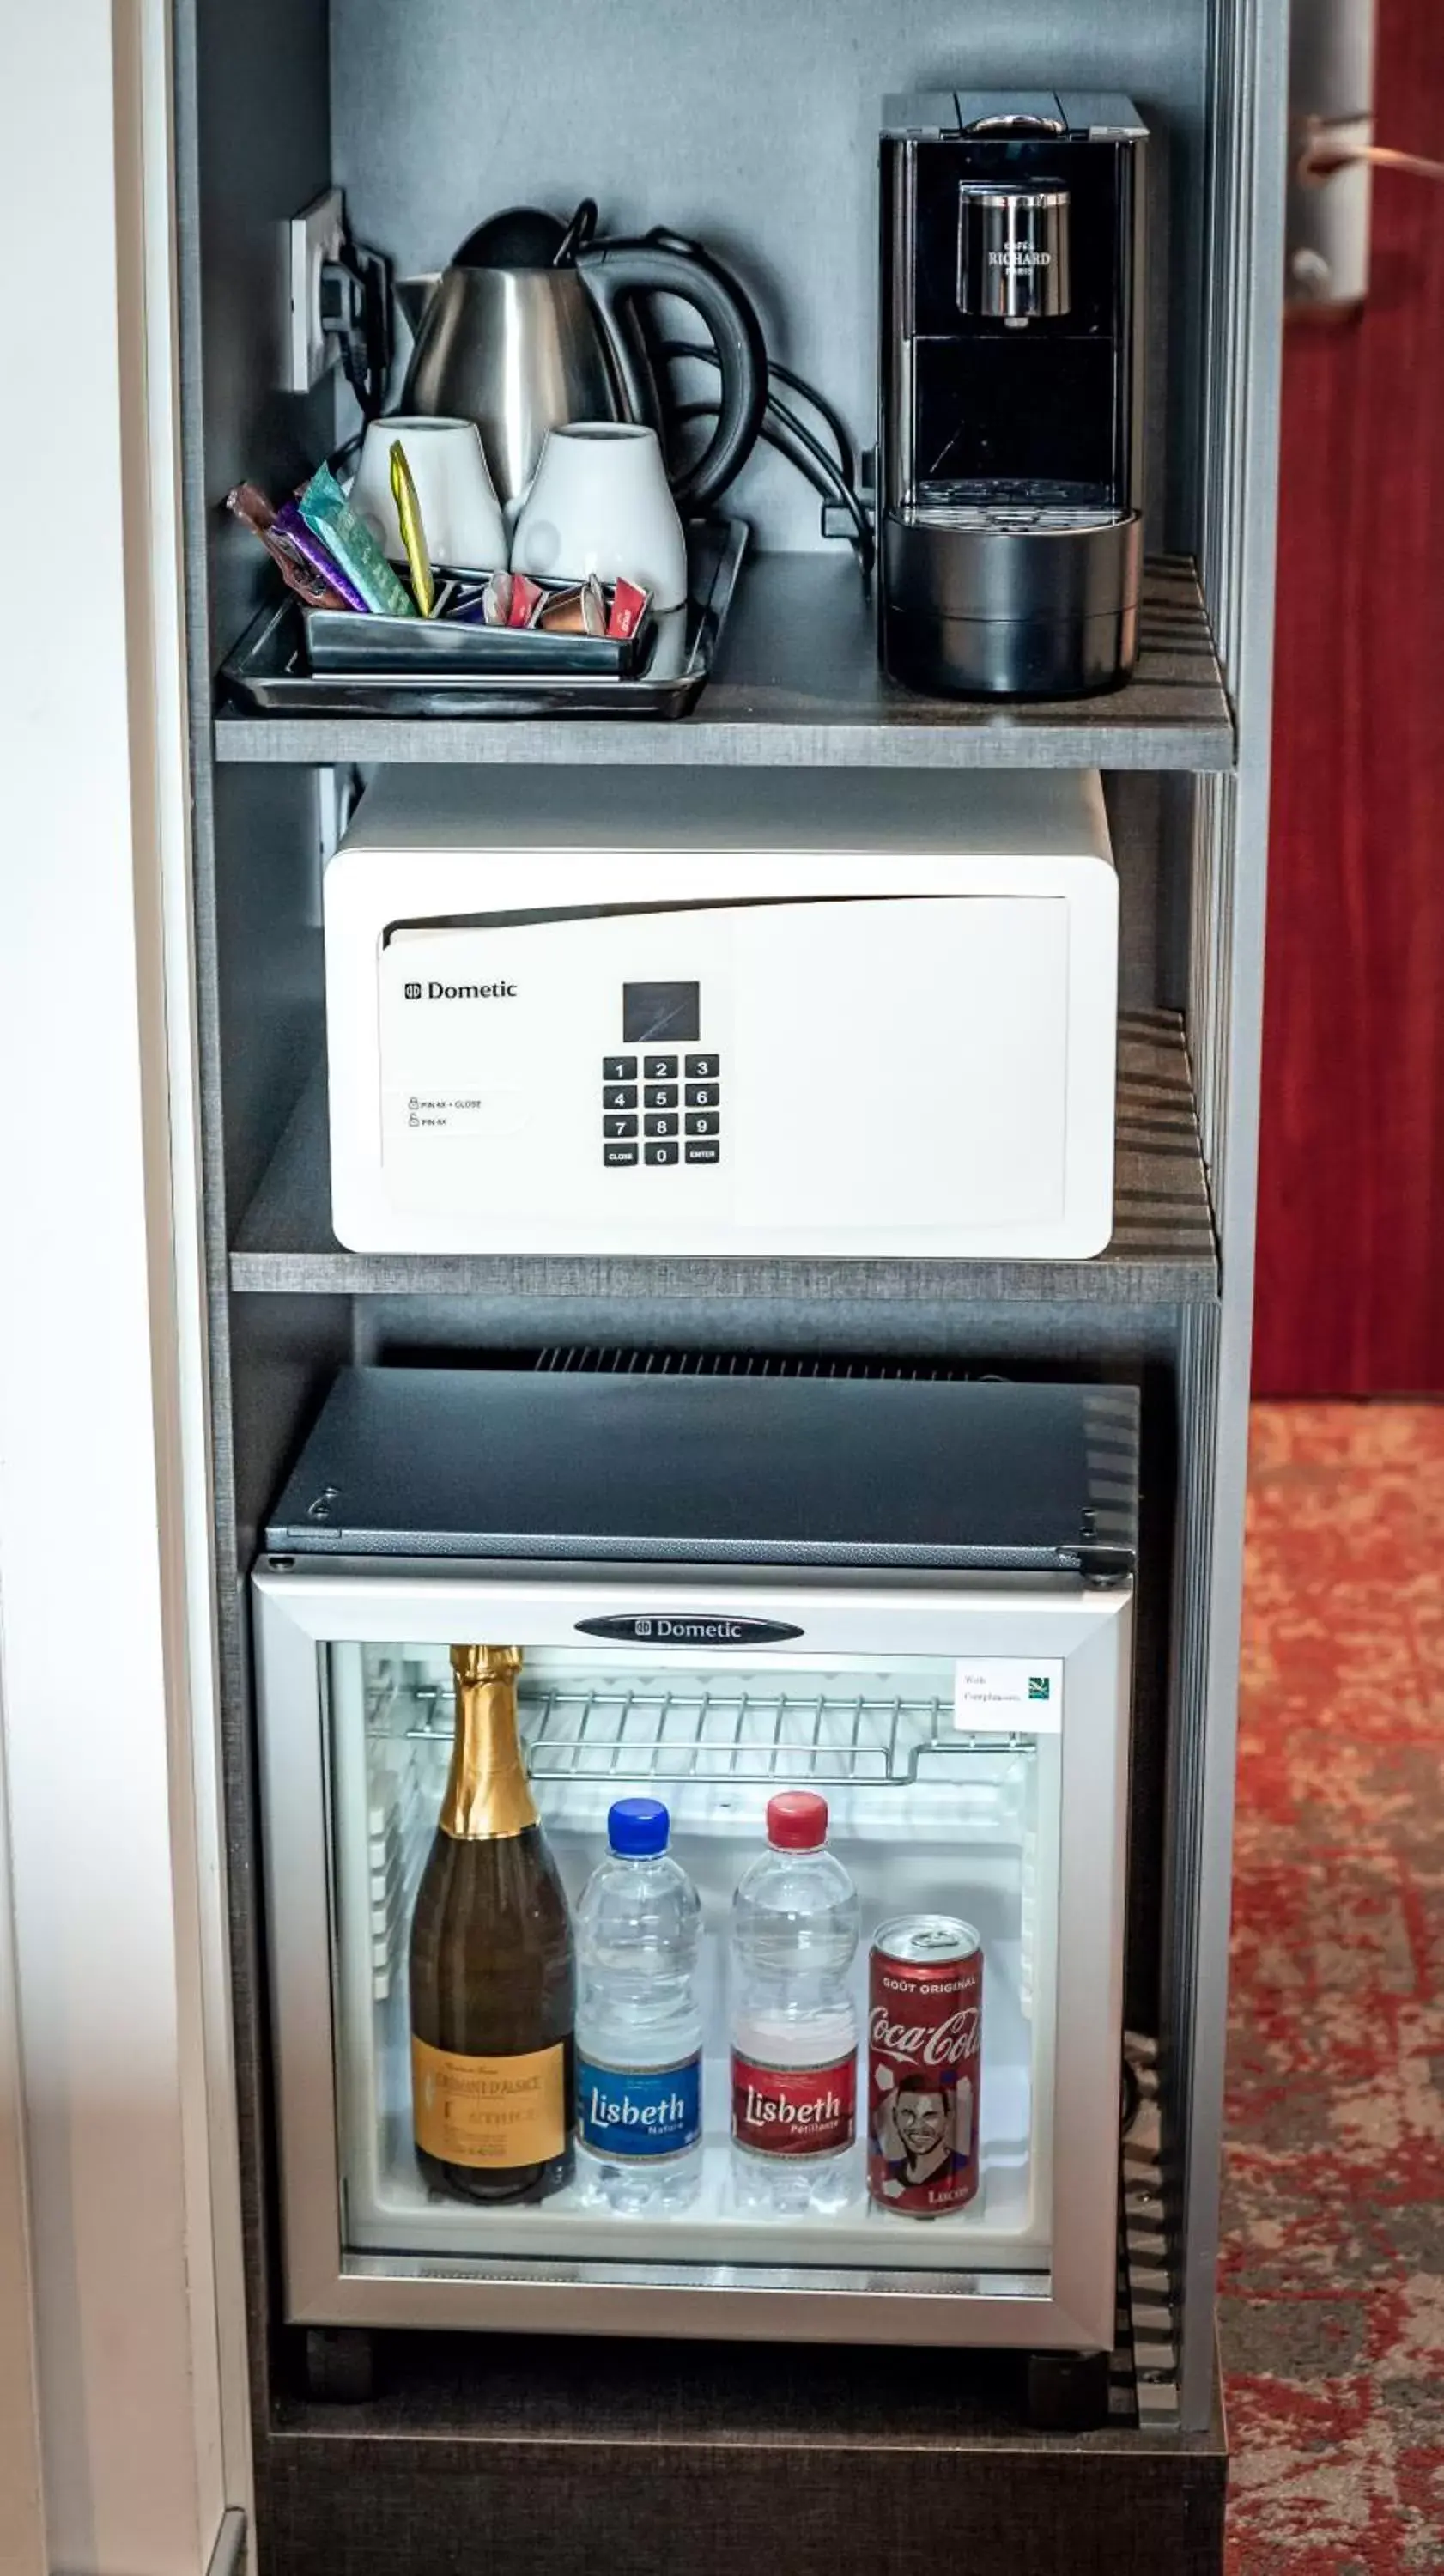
(1011, 439)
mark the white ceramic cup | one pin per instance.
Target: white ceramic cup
(600, 503)
(459, 508)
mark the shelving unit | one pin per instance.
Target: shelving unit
(1162, 1253)
(797, 681)
(731, 121)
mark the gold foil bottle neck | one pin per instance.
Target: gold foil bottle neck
(486, 1663)
(488, 1795)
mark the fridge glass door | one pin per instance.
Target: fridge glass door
(940, 1802)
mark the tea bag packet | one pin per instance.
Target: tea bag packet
(327, 512)
(314, 587)
(413, 530)
(292, 528)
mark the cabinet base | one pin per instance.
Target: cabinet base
(810, 2461)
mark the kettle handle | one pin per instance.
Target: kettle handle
(615, 271)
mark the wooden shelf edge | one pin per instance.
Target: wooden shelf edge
(797, 685)
(1163, 1251)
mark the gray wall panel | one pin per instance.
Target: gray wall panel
(264, 153)
(753, 127)
(265, 888)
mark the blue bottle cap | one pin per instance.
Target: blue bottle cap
(638, 1827)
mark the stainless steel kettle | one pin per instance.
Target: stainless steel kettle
(535, 324)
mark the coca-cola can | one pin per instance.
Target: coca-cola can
(925, 2039)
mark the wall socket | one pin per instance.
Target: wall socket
(315, 237)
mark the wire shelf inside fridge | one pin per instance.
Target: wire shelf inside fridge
(745, 1733)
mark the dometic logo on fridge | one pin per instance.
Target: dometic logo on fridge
(434, 992)
(670, 1628)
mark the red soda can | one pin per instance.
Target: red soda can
(925, 2036)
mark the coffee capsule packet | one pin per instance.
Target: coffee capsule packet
(629, 607)
(329, 515)
(527, 599)
(579, 611)
(413, 529)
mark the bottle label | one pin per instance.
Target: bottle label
(646, 2115)
(494, 2112)
(794, 2110)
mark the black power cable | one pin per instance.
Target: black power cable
(833, 477)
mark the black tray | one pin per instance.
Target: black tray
(268, 671)
(342, 646)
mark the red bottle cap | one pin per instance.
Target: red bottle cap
(797, 1820)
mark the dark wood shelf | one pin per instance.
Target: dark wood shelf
(797, 684)
(1162, 1253)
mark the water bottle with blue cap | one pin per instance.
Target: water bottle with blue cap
(639, 2028)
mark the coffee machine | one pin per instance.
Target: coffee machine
(1011, 382)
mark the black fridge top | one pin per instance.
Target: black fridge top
(635, 1467)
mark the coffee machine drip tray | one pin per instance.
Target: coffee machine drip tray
(1009, 505)
(1000, 595)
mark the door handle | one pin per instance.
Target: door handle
(1333, 154)
(1328, 144)
(1331, 164)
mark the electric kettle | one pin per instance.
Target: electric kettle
(536, 324)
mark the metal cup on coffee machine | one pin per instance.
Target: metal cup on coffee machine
(1013, 253)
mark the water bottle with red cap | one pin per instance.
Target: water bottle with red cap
(794, 2020)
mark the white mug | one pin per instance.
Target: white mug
(459, 508)
(600, 503)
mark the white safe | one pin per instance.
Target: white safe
(850, 1013)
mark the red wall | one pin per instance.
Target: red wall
(1351, 1218)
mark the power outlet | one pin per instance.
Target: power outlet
(315, 237)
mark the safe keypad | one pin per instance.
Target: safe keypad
(680, 1097)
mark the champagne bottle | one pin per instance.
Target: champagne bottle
(493, 1979)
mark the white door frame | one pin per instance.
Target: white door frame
(115, 2079)
(22, 2502)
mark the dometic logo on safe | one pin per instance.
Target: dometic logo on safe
(461, 992)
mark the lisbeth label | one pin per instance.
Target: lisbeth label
(641, 2116)
(793, 2110)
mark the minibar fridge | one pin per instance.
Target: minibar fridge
(913, 1596)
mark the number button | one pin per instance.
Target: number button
(660, 1095)
(619, 1068)
(703, 1095)
(705, 1153)
(703, 1068)
(660, 1068)
(703, 1122)
(620, 1095)
(616, 1155)
(619, 1127)
(660, 1153)
(664, 1125)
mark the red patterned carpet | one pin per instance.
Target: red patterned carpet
(1333, 2307)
